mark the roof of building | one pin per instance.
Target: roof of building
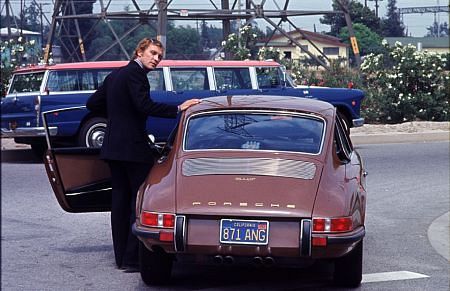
(16, 32)
(313, 36)
(427, 42)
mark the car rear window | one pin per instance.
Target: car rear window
(26, 83)
(266, 131)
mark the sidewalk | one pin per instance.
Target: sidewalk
(416, 131)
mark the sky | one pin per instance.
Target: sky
(416, 24)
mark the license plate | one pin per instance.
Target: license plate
(249, 232)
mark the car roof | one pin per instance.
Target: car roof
(163, 63)
(268, 102)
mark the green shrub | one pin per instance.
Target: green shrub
(338, 76)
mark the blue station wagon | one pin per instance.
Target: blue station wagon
(38, 89)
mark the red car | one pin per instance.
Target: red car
(242, 179)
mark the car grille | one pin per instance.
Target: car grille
(249, 166)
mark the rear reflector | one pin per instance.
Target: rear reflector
(166, 236)
(319, 241)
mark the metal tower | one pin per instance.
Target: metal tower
(160, 11)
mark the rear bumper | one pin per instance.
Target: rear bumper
(154, 235)
(350, 238)
(357, 122)
(27, 132)
(337, 244)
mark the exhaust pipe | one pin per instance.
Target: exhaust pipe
(228, 260)
(269, 261)
(258, 261)
(218, 259)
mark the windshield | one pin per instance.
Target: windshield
(30, 82)
(266, 131)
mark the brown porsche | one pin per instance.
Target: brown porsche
(242, 179)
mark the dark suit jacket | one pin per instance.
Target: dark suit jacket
(124, 97)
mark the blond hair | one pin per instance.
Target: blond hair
(144, 44)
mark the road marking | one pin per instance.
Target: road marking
(391, 276)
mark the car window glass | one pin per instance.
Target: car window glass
(232, 78)
(189, 79)
(101, 75)
(26, 82)
(87, 80)
(269, 77)
(343, 145)
(156, 80)
(255, 131)
(63, 81)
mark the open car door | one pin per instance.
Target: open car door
(80, 180)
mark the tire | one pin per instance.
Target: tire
(155, 266)
(92, 132)
(348, 269)
(39, 149)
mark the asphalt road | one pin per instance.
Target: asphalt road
(44, 248)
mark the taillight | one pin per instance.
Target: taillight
(155, 219)
(335, 224)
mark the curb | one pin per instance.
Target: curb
(399, 137)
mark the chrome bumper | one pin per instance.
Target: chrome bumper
(357, 122)
(27, 132)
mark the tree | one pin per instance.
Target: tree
(31, 16)
(183, 42)
(368, 41)
(206, 43)
(438, 30)
(392, 26)
(358, 14)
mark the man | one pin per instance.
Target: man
(124, 97)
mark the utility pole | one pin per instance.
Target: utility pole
(226, 26)
(351, 32)
(42, 25)
(376, 6)
(162, 22)
(8, 17)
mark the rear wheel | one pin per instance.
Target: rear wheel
(155, 266)
(348, 269)
(92, 132)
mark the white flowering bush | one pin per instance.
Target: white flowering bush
(15, 53)
(270, 53)
(404, 84)
(239, 45)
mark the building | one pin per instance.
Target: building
(432, 44)
(26, 34)
(331, 46)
